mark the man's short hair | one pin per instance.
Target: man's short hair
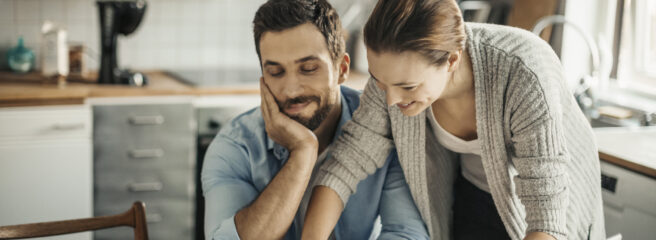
(279, 15)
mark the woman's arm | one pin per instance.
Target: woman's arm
(362, 148)
(540, 157)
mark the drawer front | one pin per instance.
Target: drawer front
(166, 219)
(55, 122)
(111, 186)
(133, 153)
(143, 122)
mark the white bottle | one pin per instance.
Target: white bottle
(55, 51)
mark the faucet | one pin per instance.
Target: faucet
(583, 92)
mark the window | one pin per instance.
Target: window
(637, 58)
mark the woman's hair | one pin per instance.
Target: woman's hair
(433, 28)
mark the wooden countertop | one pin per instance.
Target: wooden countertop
(33, 90)
(632, 148)
(629, 148)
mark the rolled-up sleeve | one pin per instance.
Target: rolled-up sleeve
(399, 214)
(540, 156)
(226, 187)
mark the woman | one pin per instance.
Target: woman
(492, 143)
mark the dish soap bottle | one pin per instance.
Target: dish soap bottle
(20, 58)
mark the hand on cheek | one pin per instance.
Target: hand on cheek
(282, 129)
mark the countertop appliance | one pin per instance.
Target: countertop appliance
(218, 77)
(118, 17)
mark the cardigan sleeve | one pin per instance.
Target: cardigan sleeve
(362, 148)
(539, 155)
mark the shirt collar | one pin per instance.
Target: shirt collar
(282, 153)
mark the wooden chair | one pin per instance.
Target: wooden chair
(135, 217)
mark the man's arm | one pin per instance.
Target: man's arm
(271, 214)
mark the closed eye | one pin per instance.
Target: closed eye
(309, 68)
(409, 88)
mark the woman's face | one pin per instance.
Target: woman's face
(409, 80)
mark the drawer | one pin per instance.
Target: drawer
(165, 218)
(131, 153)
(112, 186)
(143, 122)
(54, 122)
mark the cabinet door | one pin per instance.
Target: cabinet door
(629, 202)
(46, 181)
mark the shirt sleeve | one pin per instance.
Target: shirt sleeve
(226, 187)
(362, 148)
(540, 157)
(399, 215)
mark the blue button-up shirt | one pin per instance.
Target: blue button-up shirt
(242, 160)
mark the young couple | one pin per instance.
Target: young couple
(464, 131)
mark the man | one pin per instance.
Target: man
(257, 172)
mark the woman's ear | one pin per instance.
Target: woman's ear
(454, 60)
(344, 68)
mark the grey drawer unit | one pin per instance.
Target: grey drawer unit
(167, 219)
(146, 153)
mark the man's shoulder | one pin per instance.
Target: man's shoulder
(244, 128)
(352, 97)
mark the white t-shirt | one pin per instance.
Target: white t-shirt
(470, 153)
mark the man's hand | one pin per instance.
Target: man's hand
(539, 236)
(282, 129)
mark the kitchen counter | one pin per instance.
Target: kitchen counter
(631, 148)
(31, 89)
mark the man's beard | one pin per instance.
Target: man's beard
(317, 117)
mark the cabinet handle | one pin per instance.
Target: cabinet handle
(153, 217)
(145, 187)
(146, 153)
(68, 126)
(147, 120)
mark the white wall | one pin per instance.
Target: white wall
(597, 17)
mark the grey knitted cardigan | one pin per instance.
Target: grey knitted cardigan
(538, 150)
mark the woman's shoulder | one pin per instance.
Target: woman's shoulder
(511, 42)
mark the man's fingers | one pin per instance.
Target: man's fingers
(269, 99)
(263, 100)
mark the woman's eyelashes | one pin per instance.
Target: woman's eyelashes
(409, 88)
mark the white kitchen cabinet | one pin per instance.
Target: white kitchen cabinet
(46, 165)
(629, 202)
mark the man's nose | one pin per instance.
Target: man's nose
(291, 86)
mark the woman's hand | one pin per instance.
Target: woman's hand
(539, 236)
(282, 129)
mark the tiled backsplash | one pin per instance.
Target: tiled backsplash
(174, 34)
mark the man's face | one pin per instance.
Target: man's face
(297, 67)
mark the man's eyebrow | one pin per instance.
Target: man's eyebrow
(271, 63)
(305, 59)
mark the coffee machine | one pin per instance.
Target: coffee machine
(118, 17)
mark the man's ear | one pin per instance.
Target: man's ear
(454, 60)
(344, 68)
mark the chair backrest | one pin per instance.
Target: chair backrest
(135, 218)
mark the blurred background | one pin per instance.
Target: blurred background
(88, 126)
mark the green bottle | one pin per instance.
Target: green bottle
(20, 58)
